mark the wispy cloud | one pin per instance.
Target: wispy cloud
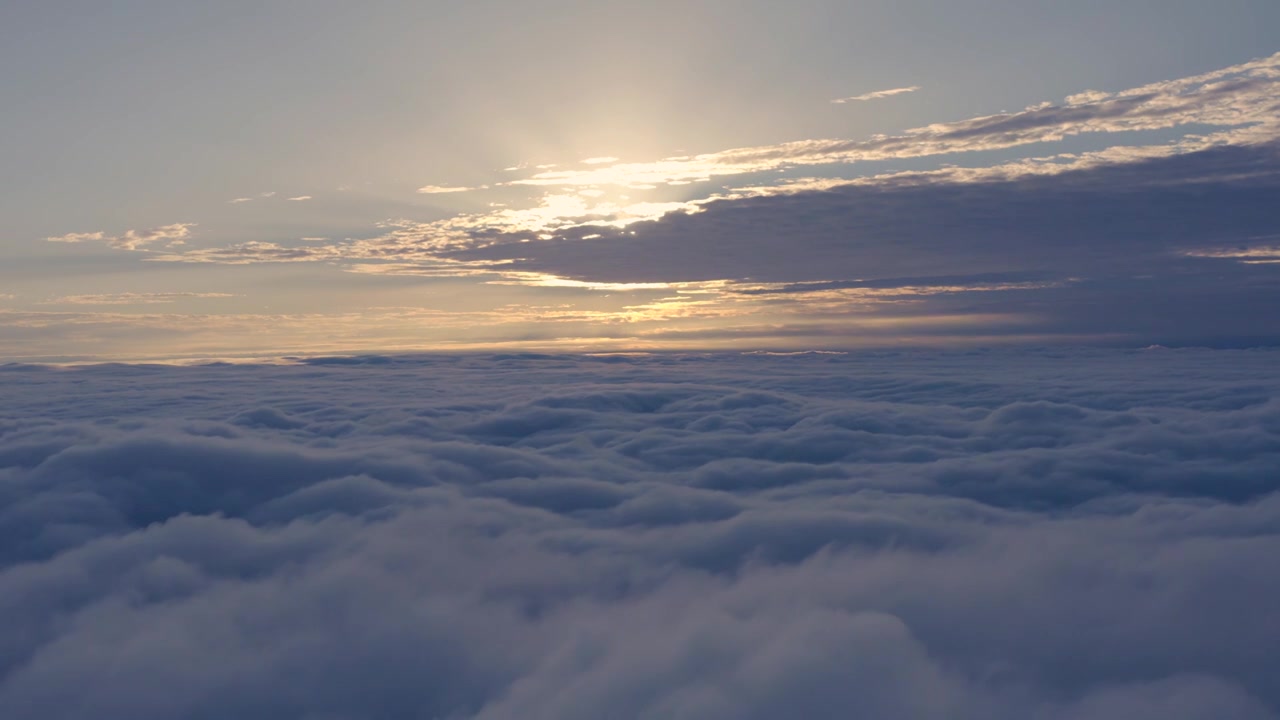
(132, 239)
(130, 298)
(439, 189)
(78, 237)
(805, 249)
(254, 251)
(1250, 255)
(300, 198)
(876, 95)
(1242, 96)
(265, 196)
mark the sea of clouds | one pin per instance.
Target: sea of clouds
(1044, 534)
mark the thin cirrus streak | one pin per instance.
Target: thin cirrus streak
(876, 95)
(445, 189)
(130, 298)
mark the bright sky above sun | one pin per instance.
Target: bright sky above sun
(235, 179)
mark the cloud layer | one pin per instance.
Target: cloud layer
(1066, 534)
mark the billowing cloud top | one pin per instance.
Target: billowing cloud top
(1060, 534)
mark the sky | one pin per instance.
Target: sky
(710, 360)
(237, 180)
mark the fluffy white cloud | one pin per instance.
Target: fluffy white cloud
(1059, 535)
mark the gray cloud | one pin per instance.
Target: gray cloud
(1050, 534)
(1103, 248)
(1129, 213)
